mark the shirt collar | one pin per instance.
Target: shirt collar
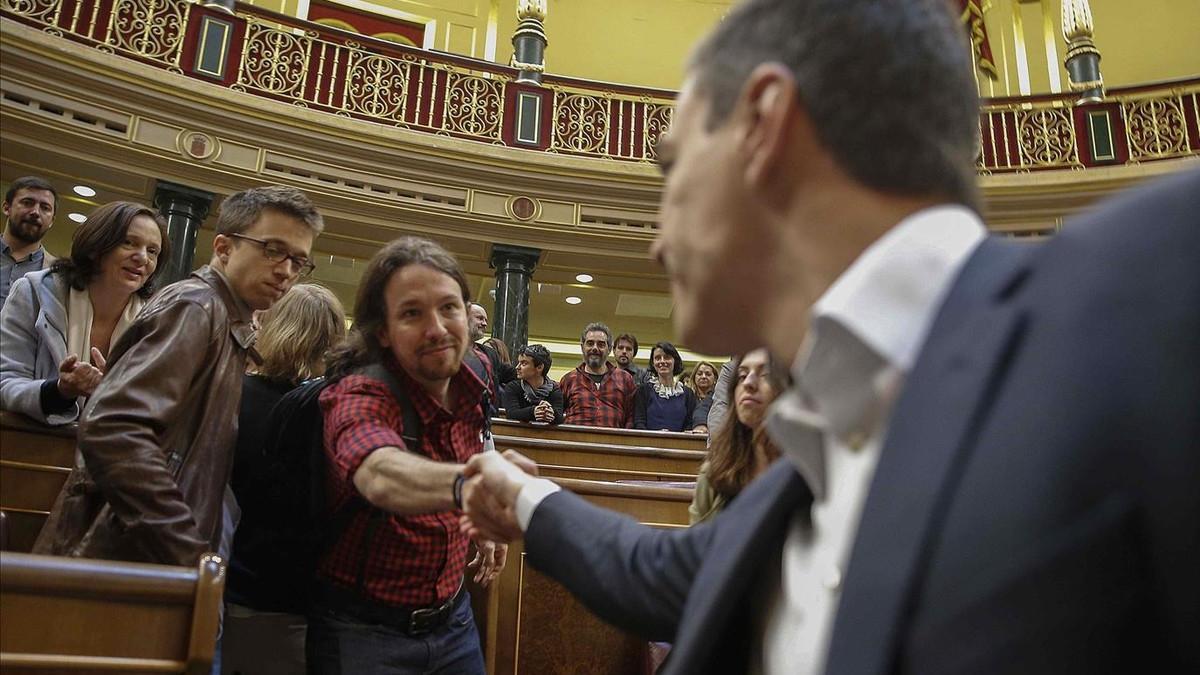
(37, 256)
(865, 333)
(241, 325)
(890, 294)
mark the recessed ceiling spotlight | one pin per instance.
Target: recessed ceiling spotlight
(84, 191)
(584, 278)
(573, 299)
(77, 217)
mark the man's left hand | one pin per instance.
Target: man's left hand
(490, 558)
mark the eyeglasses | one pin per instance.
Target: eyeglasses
(276, 254)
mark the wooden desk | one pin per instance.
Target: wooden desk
(600, 454)
(35, 461)
(601, 435)
(538, 628)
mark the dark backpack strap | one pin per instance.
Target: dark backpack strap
(411, 432)
(411, 420)
(476, 364)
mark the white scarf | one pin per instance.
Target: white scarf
(79, 323)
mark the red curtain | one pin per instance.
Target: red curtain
(971, 13)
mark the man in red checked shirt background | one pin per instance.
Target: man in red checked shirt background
(390, 595)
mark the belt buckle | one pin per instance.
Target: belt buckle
(422, 621)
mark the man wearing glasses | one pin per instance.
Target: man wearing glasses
(156, 437)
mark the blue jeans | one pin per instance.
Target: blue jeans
(340, 644)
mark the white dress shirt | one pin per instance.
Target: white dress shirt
(866, 331)
(865, 334)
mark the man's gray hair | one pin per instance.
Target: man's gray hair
(887, 83)
(242, 209)
(596, 326)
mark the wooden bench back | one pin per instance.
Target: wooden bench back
(35, 461)
(69, 615)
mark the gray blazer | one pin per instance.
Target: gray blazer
(33, 341)
(720, 399)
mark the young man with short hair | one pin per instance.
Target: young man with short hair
(29, 206)
(156, 438)
(625, 350)
(533, 396)
(597, 393)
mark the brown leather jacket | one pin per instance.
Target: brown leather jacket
(156, 439)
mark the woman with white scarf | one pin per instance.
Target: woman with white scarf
(533, 396)
(662, 402)
(58, 324)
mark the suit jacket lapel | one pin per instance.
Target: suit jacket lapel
(749, 532)
(930, 431)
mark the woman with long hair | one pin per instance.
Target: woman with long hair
(741, 449)
(59, 324)
(264, 628)
(662, 403)
(704, 384)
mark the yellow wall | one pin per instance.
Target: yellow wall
(466, 27)
(1139, 42)
(645, 42)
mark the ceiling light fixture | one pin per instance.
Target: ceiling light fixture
(584, 278)
(84, 191)
(573, 299)
(77, 217)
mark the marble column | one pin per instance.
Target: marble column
(185, 209)
(514, 268)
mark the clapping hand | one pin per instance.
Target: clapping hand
(490, 494)
(76, 378)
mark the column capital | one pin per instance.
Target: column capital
(187, 201)
(514, 258)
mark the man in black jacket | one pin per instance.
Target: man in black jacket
(477, 321)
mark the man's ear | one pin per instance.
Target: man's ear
(768, 107)
(222, 247)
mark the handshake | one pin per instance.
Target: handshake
(489, 496)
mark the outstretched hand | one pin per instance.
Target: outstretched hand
(490, 494)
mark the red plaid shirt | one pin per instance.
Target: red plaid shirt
(415, 561)
(608, 404)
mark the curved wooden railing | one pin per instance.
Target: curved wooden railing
(647, 475)
(319, 67)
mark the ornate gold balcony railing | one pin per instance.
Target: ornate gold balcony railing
(323, 68)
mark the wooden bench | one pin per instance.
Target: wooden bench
(69, 615)
(35, 461)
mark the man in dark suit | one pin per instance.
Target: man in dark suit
(992, 452)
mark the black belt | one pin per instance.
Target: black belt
(410, 620)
